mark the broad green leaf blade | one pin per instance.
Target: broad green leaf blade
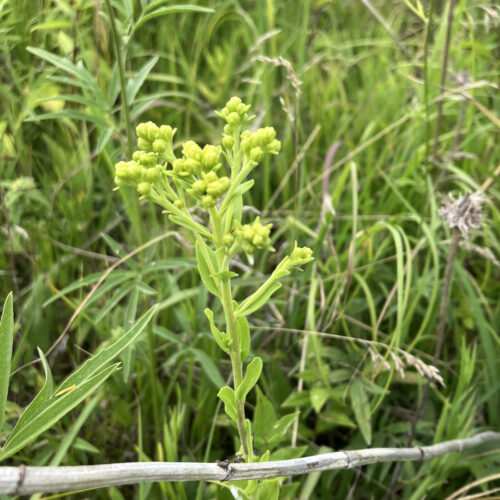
(54, 410)
(280, 429)
(361, 407)
(263, 421)
(257, 299)
(252, 374)
(209, 367)
(6, 340)
(229, 400)
(96, 362)
(40, 399)
(243, 336)
(221, 338)
(319, 396)
(207, 265)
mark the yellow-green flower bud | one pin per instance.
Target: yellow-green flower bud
(228, 129)
(228, 142)
(179, 203)
(152, 174)
(233, 119)
(255, 236)
(191, 150)
(144, 188)
(199, 187)
(218, 187)
(166, 133)
(256, 154)
(144, 144)
(159, 146)
(210, 157)
(233, 103)
(228, 240)
(301, 255)
(208, 201)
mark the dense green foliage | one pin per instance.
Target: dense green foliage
(360, 178)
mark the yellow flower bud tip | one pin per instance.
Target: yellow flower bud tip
(178, 203)
(233, 103)
(199, 187)
(228, 129)
(166, 133)
(256, 154)
(233, 118)
(301, 255)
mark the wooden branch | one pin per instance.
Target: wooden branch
(27, 480)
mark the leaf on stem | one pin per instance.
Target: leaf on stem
(252, 374)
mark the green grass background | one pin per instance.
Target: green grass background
(356, 109)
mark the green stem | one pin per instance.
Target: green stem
(121, 73)
(232, 329)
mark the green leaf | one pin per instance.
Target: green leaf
(222, 339)
(224, 275)
(96, 362)
(243, 336)
(280, 429)
(40, 399)
(361, 407)
(53, 411)
(264, 420)
(209, 367)
(257, 299)
(268, 489)
(297, 399)
(6, 340)
(229, 400)
(207, 265)
(319, 396)
(252, 374)
(135, 83)
(162, 11)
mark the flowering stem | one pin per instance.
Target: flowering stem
(232, 329)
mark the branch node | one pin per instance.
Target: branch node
(422, 452)
(349, 464)
(20, 481)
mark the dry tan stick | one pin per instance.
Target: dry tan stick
(26, 480)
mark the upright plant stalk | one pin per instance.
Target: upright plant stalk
(195, 179)
(444, 71)
(121, 74)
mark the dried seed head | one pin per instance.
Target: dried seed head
(463, 213)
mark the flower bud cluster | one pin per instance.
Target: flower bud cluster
(196, 160)
(256, 144)
(209, 188)
(254, 236)
(141, 172)
(300, 256)
(235, 112)
(152, 138)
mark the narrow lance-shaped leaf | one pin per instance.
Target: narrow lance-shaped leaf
(243, 336)
(207, 265)
(229, 400)
(96, 362)
(54, 411)
(6, 340)
(361, 407)
(252, 374)
(221, 338)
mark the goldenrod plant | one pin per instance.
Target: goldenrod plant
(215, 178)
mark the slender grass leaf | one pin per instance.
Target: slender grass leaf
(361, 407)
(209, 367)
(6, 341)
(135, 83)
(54, 410)
(96, 362)
(40, 399)
(162, 11)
